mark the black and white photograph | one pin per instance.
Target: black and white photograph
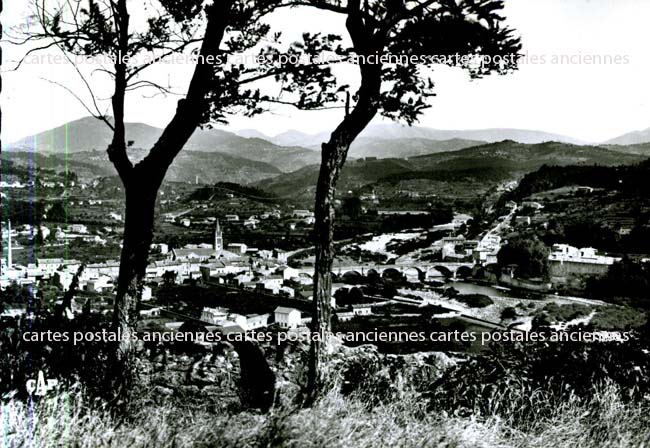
(325, 223)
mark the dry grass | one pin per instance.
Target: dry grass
(335, 421)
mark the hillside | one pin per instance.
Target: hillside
(611, 216)
(209, 167)
(629, 179)
(521, 157)
(406, 147)
(221, 190)
(83, 167)
(381, 147)
(89, 134)
(642, 149)
(289, 151)
(490, 162)
(356, 174)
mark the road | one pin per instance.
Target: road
(487, 240)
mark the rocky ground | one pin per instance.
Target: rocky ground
(211, 375)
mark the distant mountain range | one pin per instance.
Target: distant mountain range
(631, 138)
(395, 132)
(288, 162)
(90, 134)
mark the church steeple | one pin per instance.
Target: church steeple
(218, 238)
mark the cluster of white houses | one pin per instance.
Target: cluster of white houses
(236, 264)
(184, 218)
(265, 272)
(284, 317)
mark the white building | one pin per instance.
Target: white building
(238, 248)
(532, 204)
(252, 222)
(287, 272)
(302, 214)
(287, 317)
(50, 265)
(237, 319)
(281, 255)
(100, 284)
(272, 283)
(153, 312)
(254, 321)
(110, 268)
(361, 310)
(214, 315)
(77, 228)
(565, 253)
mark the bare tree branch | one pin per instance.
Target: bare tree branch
(99, 116)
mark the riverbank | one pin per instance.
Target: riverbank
(524, 304)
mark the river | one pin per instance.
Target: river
(472, 288)
(491, 291)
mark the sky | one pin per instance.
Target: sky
(586, 101)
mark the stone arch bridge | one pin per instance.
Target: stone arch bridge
(420, 271)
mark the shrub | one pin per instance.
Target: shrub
(565, 313)
(84, 362)
(618, 318)
(528, 381)
(475, 300)
(508, 313)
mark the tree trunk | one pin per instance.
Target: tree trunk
(71, 292)
(324, 234)
(142, 181)
(334, 154)
(138, 235)
(257, 380)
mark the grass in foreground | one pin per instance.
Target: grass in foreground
(335, 421)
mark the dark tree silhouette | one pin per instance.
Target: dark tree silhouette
(71, 292)
(428, 32)
(352, 207)
(217, 88)
(529, 254)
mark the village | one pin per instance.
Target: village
(437, 273)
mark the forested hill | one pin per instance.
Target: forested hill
(628, 179)
(221, 190)
(490, 162)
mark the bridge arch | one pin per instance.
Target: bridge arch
(464, 271)
(415, 273)
(352, 277)
(444, 270)
(392, 274)
(373, 275)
